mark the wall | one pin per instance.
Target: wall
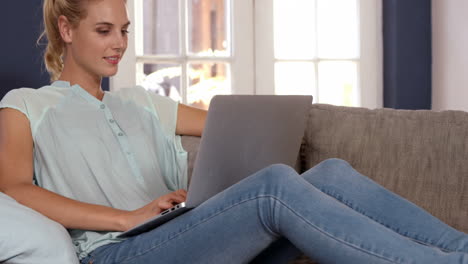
(450, 55)
(20, 59)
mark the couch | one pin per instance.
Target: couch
(421, 155)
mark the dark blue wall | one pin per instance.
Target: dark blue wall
(20, 58)
(407, 54)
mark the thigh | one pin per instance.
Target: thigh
(225, 229)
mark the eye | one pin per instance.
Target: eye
(102, 32)
(125, 31)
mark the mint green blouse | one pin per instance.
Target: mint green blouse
(120, 152)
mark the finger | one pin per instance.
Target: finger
(182, 193)
(176, 198)
(165, 204)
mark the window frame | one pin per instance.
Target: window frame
(241, 60)
(369, 63)
(252, 51)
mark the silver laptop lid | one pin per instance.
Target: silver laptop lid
(243, 134)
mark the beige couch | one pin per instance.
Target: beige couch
(421, 155)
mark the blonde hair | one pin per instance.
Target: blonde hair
(74, 11)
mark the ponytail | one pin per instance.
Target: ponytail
(52, 9)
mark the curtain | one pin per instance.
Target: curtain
(407, 54)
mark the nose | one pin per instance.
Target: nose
(119, 42)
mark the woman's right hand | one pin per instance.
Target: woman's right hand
(132, 218)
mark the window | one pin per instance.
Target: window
(191, 50)
(316, 49)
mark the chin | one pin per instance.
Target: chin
(109, 73)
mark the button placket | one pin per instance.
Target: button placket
(111, 120)
(123, 141)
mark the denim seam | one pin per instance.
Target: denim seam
(247, 200)
(333, 237)
(193, 226)
(412, 236)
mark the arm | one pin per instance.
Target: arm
(16, 173)
(190, 121)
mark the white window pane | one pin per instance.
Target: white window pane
(208, 27)
(163, 79)
(295, 78)
(337, 28)
(294, 29)
(161, 27)
(338, 83)
(205, 81)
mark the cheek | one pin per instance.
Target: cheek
(125, 43)
(88, 48)
(96, 48)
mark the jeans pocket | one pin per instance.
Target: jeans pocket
(96, 254)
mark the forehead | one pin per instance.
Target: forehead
(110, 11)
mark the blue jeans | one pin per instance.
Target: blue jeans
(333, 214)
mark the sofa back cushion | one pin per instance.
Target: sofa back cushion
(421, 155)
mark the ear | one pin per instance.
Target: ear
(65, 29)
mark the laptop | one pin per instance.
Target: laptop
(243, 134)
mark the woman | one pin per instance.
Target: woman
(106, 162)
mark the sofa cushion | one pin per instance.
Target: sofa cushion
(27, 237)
(421, 155)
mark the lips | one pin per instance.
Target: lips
(112, 59)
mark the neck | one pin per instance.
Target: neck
(90, 83)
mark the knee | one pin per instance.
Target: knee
(328, 171)
(278, 173)
(334, 164)
(281, 170)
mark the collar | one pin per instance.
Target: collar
(62, 84)
(77, 89)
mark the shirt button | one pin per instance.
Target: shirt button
(120, 134)
(111, 120)
(103, 106)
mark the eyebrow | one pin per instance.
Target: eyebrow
(110, 24)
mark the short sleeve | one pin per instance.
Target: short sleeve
(164, 108)
(15, 99)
